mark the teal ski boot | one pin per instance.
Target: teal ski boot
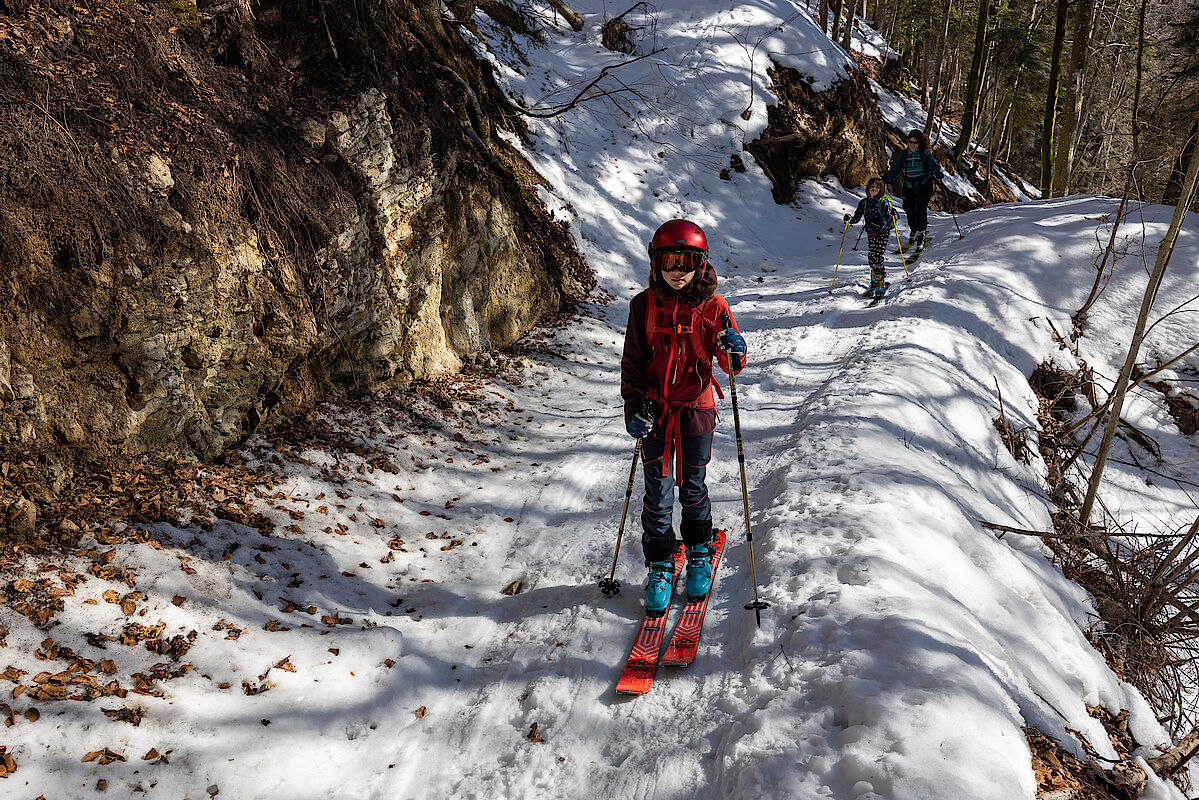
(658, 586)
(699, 571)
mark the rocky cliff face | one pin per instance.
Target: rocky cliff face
(213, 215)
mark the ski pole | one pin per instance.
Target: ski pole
(955, 223)
(830, 289)
(901, 258)
(950, 207)
(859, 239)
(735, 363)
(609, 585)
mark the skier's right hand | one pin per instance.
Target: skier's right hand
(848, 217)
(639, 425)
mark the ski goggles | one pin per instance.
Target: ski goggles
(678, 260)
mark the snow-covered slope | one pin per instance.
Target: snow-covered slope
(905, 646)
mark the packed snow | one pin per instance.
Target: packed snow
(905, 646)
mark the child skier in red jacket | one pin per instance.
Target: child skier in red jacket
(675, 328)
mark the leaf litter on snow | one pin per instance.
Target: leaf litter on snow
(165, 579)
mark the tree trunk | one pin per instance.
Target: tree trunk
(932, 103)
(1051, 95)
(1005, 132)
(1091, 81)
(1035, 12)
(851, 10)
(1164, 251)
(970, 107)
(1079, 317)
(1172, 760)
(835, 8)
(823, 11)
(568, 14)
(993, 141)
(1072, 101)
(928, 50)
(1182, 160)
(985, 94)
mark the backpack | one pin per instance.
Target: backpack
(692, 339)
(879, 216)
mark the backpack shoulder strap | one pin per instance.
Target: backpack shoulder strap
(651, 318)
(697, 329)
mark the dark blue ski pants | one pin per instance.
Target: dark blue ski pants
(657, 537)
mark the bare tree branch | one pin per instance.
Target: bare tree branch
(582, 96)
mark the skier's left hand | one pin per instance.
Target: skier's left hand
(730, 341)
(640, 424)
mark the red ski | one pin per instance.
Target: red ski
(685, 640)
(639, 670)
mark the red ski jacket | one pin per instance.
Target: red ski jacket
(668, 349)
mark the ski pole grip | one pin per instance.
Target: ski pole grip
(734, 360)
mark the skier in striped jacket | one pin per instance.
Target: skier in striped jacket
(918, 168)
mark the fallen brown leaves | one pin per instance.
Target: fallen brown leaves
(131, 714)
(7, 765)
(9, 714)
(283, 664)
(115, 508)
(76, 682)
(232, 631)
(1059, 771)
(158, 758)
(105, 756)
(250, 689)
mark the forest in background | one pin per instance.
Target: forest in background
(1077, 95)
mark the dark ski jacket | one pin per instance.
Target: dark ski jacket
(917, 168)
(880, 216)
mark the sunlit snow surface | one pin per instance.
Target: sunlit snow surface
(905, 646)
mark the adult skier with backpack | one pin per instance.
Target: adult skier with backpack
(918, 167)
(879, 217)
(666, 379)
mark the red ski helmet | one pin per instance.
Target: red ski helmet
(679, 233)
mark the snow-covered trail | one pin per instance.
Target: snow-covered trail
(814, 355)
(905, 646)
(671, 742)
(562, 540)
(894, 619)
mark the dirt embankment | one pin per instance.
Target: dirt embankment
(212, 215)
(811, 134)
(840, 132)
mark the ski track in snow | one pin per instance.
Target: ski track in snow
(904, 646)
(694, 716)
